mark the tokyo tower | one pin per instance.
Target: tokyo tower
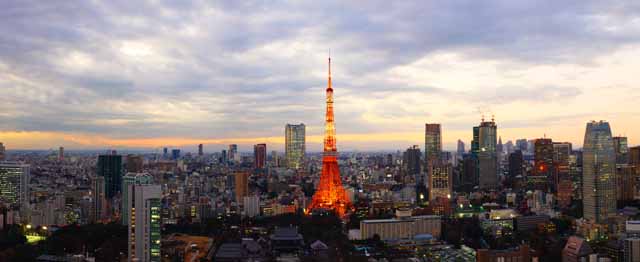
(330, 194)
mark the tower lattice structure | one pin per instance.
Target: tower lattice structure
(330, 194)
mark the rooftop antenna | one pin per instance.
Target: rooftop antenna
(493, 117)
(482, 119)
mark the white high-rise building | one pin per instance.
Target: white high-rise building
(131, 179)
(144, 222)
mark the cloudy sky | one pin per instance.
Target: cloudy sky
(147, 74)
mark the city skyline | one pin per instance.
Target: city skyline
(178, 76)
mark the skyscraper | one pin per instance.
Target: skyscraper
(260, 155)
(544, 167)
(294, 145)
(14, 183)
(61, 154)
(110, 167)
(99, 199)
(3, 155)
(516, 162)
(622, 150)
(598, 172)
(330, 193)
(411, 160)
(134, 164)
(175, 154)
(487, 154)
(233, 153)
(144, 222)
(131, 179)
(200, 150)
(241, 185)
(460, 147)
(432, 142)
(522, 145)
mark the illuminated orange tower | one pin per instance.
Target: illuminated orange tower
(330, 194)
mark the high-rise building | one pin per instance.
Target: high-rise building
(14, 183)
(61, 154)
(134, 164)
(233, 153)
(144, 222)
(175, 154)
(241, 185)
(260, 155)
(330, 193)
(131, 179)
(110, 167)
(432, 143)
(598, 172)
(460, 147)
(200, 150)
(99, 199)
(487, 154)
(411, 160)
(294, 145)
(275, 159)
(440, 180)
(224, 157)
(522, 145)
(165, 152)
(544, 168)
(516, 164)
(3, 155)
(621, 148)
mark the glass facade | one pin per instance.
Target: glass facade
(295, 145)
(598, 171)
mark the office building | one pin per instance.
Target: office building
(432, 143)
(440, 180)
(110, 167)
(598, 173)
(260, 156)
(544, 169)
(401, 227)
(485, 143)
(516, 164)
(175, 154)
(200, 150)
(233, 155)
(522, 145)
(241, 180)
(144, 222)
(134, 164)
(131, 179)
(99, 199)
(295, 145)
(621, 148)
(411, 160)
(3, 154)
(460, 148)
(14, 183)
(251, 206)
(61, 154)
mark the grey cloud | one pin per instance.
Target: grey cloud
(258, 95)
